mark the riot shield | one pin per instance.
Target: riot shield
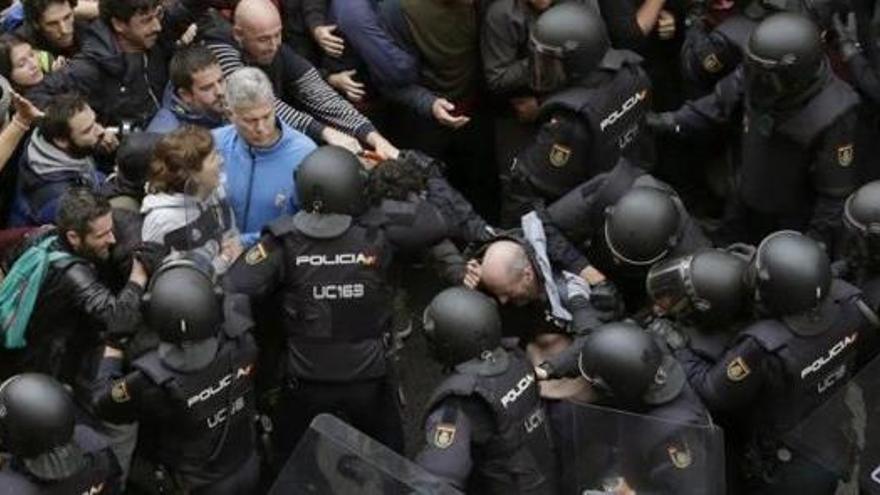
(843, 434)
(335, 458)
(602, 448)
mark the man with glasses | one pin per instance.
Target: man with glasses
(122, 67)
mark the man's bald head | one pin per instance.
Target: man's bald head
(258, 30)
(507, 273)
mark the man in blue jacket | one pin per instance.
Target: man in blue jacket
(260, 152)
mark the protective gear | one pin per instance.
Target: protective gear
(566, 44)
(516, 455)
(37, 426)
(642, 227)
(861, 217)
(784, 62)
(184, 308)
(329, 183)
(623, 360)
(708, 283)
(460, 324)
(790, 276)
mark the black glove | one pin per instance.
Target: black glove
(150, 254)
(847, 35)
(666, 331)
(662, 123)
(605, 297)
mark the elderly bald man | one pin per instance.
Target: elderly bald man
(256, 41)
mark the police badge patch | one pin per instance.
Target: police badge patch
(681, 458)
(737, 370)
(255, 255)
(711, 64)
(845, 155)
(559, 155)
(444, 435)
(119, 392)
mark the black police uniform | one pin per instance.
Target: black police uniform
(486, 428)
(100, 474)
(708, 56)
(336, 314)
(578, 219)
(774, 377)
(585, 129)
(793, 170)
(197, 424)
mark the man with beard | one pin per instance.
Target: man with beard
(58, 156)
(75, 308)
(196, 95)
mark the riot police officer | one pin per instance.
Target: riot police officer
(330, 263)
(193, 395)
(861, 253)
(797, 149)
(787, 364)
(593, 114)
(50, 453)
(628, 370)
(705, 296)
(486, 427)
(617, 225)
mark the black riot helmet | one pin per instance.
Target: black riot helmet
(642, 227)
(861, 216)
(461, 324)
(790, 275)
(330, 185)
(566, 44)
(37, 426)
(784, 61)
(184, 306)
(708, 285)
(623, 360)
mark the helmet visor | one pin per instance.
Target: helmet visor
(668, 285)
(546, 67)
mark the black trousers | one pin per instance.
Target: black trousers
(371, 406)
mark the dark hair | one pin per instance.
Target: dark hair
(177, 156)
(8, 41)
(78, 207)
(394, 179)
(124, 10)
(56, 123)
(33, 9)
(186, 62)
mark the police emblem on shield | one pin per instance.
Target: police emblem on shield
(712, 64)
(559, 155)
(681, 458)
(737, 370)
(444, 435)
(845, 155)
(119, 392)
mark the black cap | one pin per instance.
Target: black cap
(461, 324)
(330, 186)
(642, 227)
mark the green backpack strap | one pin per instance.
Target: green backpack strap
(20, 288)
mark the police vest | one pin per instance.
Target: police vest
(208, 432)
(337, 302)
(813, 368)
(518, 458)
(773, 171)
(613, 111)
(100, 475)
(210, 225)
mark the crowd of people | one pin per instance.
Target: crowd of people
(655, 225)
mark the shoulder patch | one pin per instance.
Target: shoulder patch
(559, 155)
(845, 155)
(680, 456)
(119, 392)
(711, 64)
(255, 255)
(737, 370)
(444, 435)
